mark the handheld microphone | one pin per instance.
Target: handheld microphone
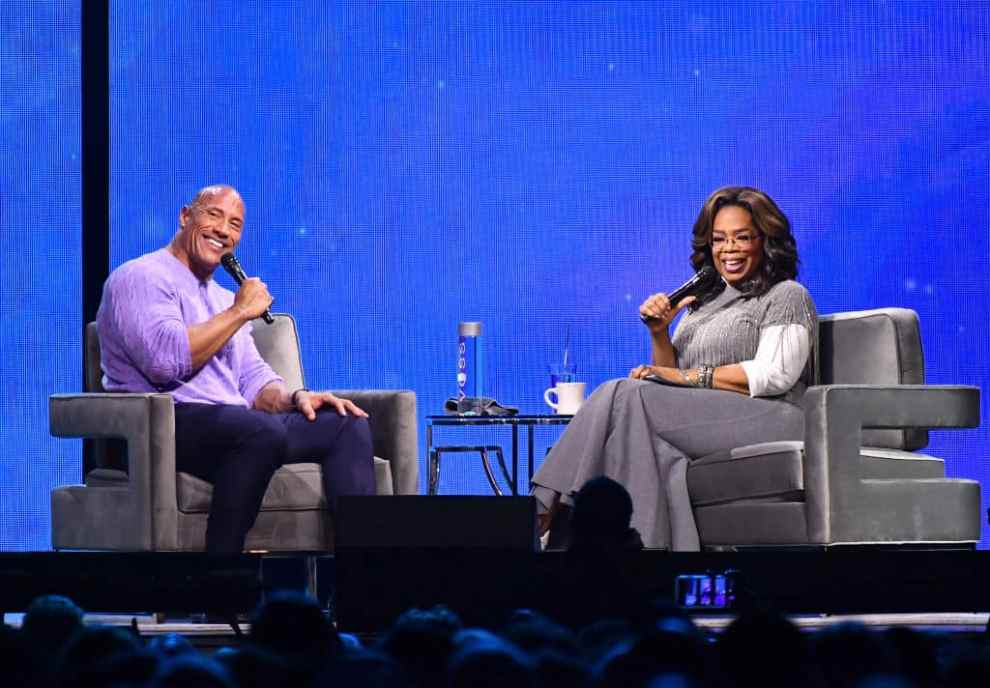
(234, 269)
(700, 280)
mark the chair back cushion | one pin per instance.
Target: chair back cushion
(875, 347)
(107, 453)
(278, 344)
(93, 374)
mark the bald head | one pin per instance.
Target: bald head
(208, 194)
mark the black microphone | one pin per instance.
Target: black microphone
(699, 281)
(234, 269)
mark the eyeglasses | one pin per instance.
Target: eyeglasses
(743, 240)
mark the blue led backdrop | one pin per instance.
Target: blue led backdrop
(40, 271)
(536, 166)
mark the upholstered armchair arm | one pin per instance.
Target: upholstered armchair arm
(394, 429)
(147, 423)
(835, 416)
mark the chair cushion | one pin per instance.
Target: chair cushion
(880, 463)
(773, 471)
(295, 486)
(194, 494)
(383, 478)
(765, 470)
(106, 477)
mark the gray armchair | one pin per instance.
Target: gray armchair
(138, 502)
(857, 478)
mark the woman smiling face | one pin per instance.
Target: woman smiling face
(737, 246)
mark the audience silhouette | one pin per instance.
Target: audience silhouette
(293, 644)
(601, 516)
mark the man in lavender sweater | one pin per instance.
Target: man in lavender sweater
(166, 326)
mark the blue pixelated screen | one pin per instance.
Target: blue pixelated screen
(40, 259)
(537, 166)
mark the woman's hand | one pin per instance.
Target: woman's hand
(639, 372)
(663, 372)
(657, 312)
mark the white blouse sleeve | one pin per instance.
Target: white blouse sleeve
(780, 359)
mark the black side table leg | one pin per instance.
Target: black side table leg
(434, 472)
(488, 471)
(515, 459)
(529, 457)
(501, 464)
(431, 480)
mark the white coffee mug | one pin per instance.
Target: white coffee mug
(570, 396)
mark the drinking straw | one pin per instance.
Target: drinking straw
(567, 345)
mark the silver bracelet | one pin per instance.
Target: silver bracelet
(705, 376)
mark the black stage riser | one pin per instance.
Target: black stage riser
(374, 585)
(439, 521)
(145, 581)
(368, 587)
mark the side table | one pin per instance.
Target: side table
(435, 453)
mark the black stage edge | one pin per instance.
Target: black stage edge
(366, 588)
(374, 585)
(131, 582)
(94, 65)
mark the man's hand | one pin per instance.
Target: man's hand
(307, 403)
(252, 298)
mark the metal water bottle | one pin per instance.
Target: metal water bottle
(470, 360)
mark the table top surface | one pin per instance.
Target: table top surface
(519, 419)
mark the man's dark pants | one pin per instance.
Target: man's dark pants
(239, 449)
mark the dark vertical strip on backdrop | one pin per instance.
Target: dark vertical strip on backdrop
(94, 64)
(95, 81)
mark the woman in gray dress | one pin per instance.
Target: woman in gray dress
(735, 370)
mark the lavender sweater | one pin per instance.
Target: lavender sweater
(147, 305)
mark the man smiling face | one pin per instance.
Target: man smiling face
(209, 227)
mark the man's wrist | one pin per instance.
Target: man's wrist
(239, 313)
(294, 397)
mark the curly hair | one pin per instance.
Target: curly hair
(780, 257)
